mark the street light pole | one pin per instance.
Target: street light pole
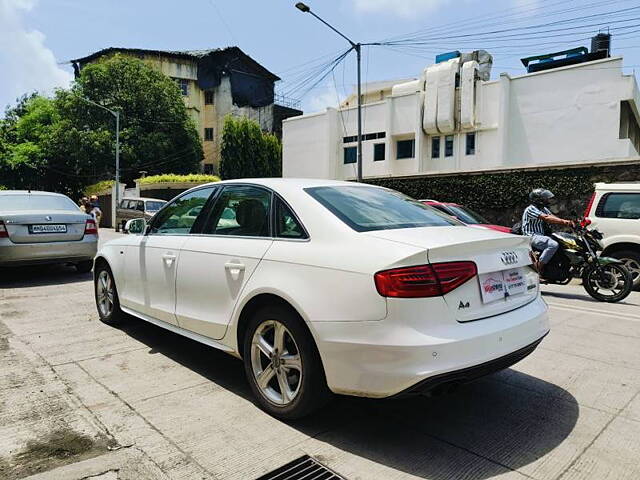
(357, 47)
(116, 114)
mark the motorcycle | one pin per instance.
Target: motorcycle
(605, 279)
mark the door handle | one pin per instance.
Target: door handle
(234, 269)
(168, 259)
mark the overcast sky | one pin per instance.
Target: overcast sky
(38, 37)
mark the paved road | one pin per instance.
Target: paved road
(79, 399)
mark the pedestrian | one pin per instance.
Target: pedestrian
(97, 212)
(535, 220)
(84, 202)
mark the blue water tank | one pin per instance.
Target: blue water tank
(443, 57)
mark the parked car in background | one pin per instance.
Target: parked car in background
(136, 207)
(45, 228)
(465, 214)
(324, 286)
(614, 209)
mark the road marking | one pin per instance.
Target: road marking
(633, 318)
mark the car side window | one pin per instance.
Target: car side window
(286, 223)
(620, 205)
(241, 211)
(179, 216)
(140, 206)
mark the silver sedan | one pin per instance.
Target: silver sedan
(45, 228)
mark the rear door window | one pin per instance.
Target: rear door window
(241, 211)
(620, 205)
(366, 208)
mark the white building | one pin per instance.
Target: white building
(452, 121)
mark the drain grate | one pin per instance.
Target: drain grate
(303, 468)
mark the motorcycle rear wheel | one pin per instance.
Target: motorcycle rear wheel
(610, 283)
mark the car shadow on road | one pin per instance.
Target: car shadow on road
(502, 422)
(40, 276)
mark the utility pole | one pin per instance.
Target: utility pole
(357, 47)
(116, 114)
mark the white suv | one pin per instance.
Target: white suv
(614, 209)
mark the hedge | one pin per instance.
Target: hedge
(99, 187)
(503, 196)
(172, 178)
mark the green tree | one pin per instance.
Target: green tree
(66, 143)
(247, 151)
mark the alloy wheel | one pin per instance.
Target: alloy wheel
(105, 293)
(633, 266)
(275, 363)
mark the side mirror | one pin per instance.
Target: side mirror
(137, 226)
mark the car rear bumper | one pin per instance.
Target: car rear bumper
(17, 254)
(392, 357)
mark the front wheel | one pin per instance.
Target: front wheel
(106, 294)
(282, 364)
(608, 283)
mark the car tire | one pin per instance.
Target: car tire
(306, 385)
(84, 267)
(109, 312)
(631, 259)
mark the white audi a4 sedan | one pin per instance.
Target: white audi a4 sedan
(327, 287)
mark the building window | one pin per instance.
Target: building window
(365, 137)
(628, 125)
(435, 147)
(350, 155)
(208, 97)
(405, 148)
(208, 134)
(470, 148)
(183, 85)
(448, 146)
(378, 152)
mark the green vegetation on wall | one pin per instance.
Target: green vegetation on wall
(501, 197)
(249, 152)
(172, 178)
(100, 187)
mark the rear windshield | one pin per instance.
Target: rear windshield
(36, 202)
(370, 208)
(154, 206)
(467, 215)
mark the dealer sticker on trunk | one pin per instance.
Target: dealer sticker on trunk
(498, 285)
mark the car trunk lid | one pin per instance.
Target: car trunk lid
(505, 280)
(44, 226)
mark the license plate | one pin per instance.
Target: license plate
(48, 229)
(499, 285)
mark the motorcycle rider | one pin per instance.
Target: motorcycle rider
(534, 218)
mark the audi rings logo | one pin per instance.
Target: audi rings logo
(509, 258)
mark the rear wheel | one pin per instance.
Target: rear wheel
(608, 283)
(282, 364)
(84, 267)
(106, 295)
(631, 260)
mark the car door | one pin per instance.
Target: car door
(152, 261)
(216, 264)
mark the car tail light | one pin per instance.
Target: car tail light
(589, 205)
(91, 228)
(3, 230)
(424, 280)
